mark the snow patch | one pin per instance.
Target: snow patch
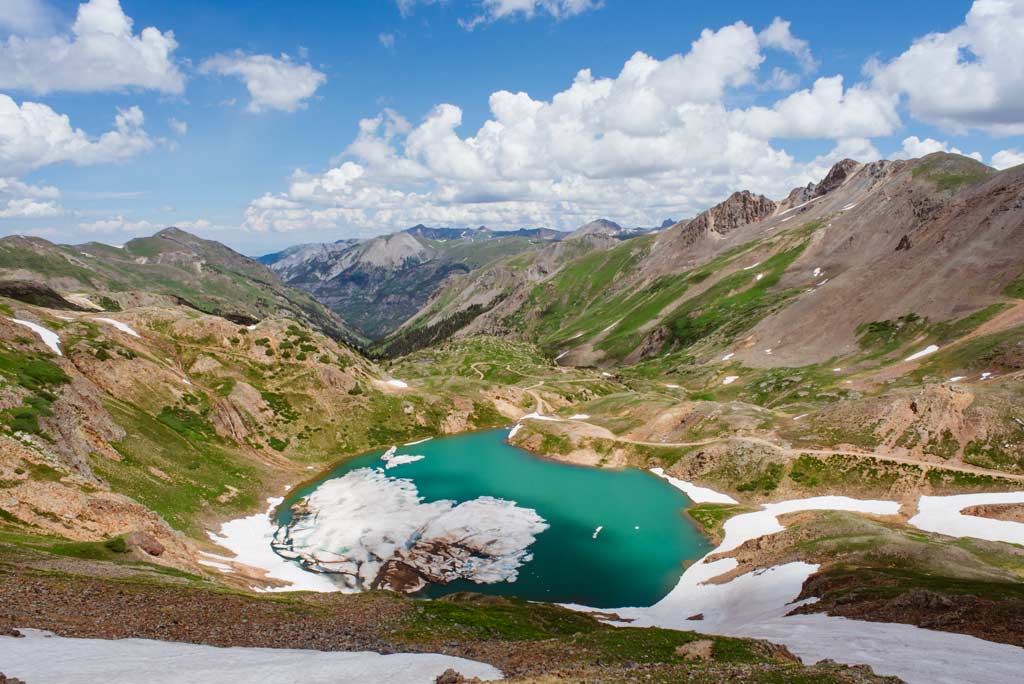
(249, 539)
(43, 658)
(597, 531)
(752, 266)
(956, 378)
(942, 514)
(419, 441)
(729, 379)
(579, 416)
(930, 349)
(759, 277)
(398, 384)
(697, 494)
(561, 355)
(50, 338)
(672, 386)
(123, 327)
(728, 356)
(849, 206)
(817, 272)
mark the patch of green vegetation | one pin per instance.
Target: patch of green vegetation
(997, 453)
(225, 387)
(883, 337)
(109, 550)
(280, 405)
(711, 517)
(486, 415)
(951, 172)
(766, 481)
(187, 423)
(1015, 288)
(175, 465)
(947, 331)
(944, 445)
(732, 305)
(108, 304)
(278, 444)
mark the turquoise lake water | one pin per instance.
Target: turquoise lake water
(636, 559)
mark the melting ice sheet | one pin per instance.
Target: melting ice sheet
(364, 522)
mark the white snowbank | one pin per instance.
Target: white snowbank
(759, 276)
(123, 327)
(561, 355)
(752, 266)
(788, 218)
(391, 460)
(800, 417)
(942, 514)
(419, 441)
(697, 494)
(729, 379)
(850, 206)
(579, 416)
(672, 386)
(837, 370)
(249, 539)
(398, 384)
(540, 416)
(42, 658)
(515, 429)
(797, 207)
(817, 272)
(353, 525)
(728, 356)
(755, 605)
(612, 326)
(50, 338)
(930, 349)
(956, 378)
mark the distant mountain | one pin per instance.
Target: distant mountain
(377, 284)
(202, 274)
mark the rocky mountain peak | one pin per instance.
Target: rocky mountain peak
(596, 227)
(836, 176)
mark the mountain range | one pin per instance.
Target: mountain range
(861, 337)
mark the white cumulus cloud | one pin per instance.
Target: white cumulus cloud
(656, 140)
(970, 77)
(22, 200)
(779, 37)
(179, 127)
(100, 53)
(914, 147)
(1004, 159)
(33, 135)
(273, 82)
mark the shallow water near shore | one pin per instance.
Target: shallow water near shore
(635, 559)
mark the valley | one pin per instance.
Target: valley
(778, 433)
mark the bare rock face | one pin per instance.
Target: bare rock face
(742, 208)
(450, 676)
(145, 542)
(837, 175)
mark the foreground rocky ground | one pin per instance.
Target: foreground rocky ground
(528, 642)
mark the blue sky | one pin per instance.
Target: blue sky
(241, 120)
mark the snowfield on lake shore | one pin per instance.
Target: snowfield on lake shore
(41, 658)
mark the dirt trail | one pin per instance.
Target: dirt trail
(824, 453)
